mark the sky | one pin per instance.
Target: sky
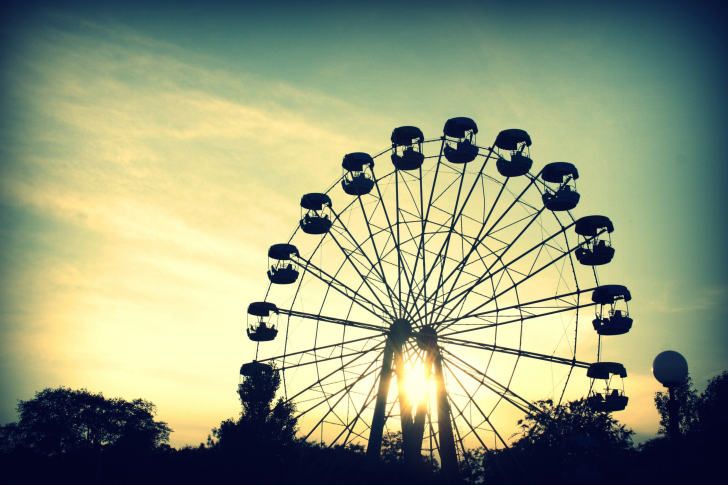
(150, 154)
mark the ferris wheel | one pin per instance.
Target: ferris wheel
(438, 296)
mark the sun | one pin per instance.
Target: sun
(416, 384)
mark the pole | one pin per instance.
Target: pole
(375, 433)
(674, 433)
(448, 453)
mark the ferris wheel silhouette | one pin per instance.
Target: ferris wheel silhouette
(454, 271)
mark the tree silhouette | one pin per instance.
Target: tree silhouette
(263, 437)
(558, 442)
(687, 401)
(61, 421)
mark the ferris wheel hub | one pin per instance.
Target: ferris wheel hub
(427, 338)
(400, 330)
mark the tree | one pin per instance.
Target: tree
(263, 437)
(261, 421)
(687, 401)
(557, 442)
(60, 421)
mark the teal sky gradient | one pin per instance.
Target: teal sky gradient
(150, 155)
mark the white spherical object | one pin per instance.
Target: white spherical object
(670, 368)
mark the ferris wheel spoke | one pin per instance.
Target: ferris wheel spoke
(343, 391)
(529, 304)
(494, 386)
(486, 419)
(338, 321)
(481, 237)
(391, 230)
(347, 255)
(340, 287)
(525, 278)
(308, 351)
(359, 249)
(459, 271)
(474, 248)
(319, 382)
(516, 320)
(352, 424)
(338, 369)
(512, 351)
(390, 292)
(489, 275)
(446, 244)
(325, 359)
(472, 401)
(433, 295)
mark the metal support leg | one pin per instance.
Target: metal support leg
(418, 427)
(448, 453)
(375, 433)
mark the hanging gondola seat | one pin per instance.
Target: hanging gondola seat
(254, 368)
(596, 256)
(563, 200)
(406, 136)
(283, 275)
(517, 166)
(360, 184)
(617, 323)
(464, 152)
(409, 160)
(262, 332)
(315, 224)
(614, 401)
(590, 254)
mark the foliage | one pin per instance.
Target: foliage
(557, 442)
(687, 400)
(260, 420)
(60, 421)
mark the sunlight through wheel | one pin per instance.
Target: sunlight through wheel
(438, 295)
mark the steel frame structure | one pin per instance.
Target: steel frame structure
(449, 272)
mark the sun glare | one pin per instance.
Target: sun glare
(416, 384)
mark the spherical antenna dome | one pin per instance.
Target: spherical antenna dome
(670, 368)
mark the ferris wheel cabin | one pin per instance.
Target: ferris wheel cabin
(517, 142)
(407, 148)
(358, 179)
(283, 271)
(561, 196)
(262, 330)
(613, 399)
(596, 249)
(611, 317)
(315, 209)
(463, 131)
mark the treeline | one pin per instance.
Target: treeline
(80, 437)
